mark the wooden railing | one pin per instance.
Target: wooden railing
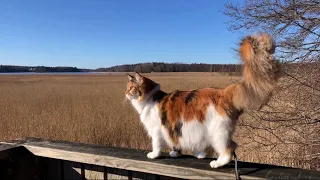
(43, 159)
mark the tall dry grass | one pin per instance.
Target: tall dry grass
(82, 108)
(92, 109)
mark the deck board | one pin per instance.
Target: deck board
(136, 160)
(4, 147)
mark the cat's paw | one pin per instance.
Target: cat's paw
(174, 153)
(200, 154)
(214, 164)
(153, 155)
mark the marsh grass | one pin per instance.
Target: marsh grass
(92, 109)
(82, 108)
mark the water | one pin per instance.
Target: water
(63, 73)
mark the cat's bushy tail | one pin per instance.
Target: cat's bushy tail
(260, 72)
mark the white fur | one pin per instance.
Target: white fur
(174, 154)
(200, 154)
(215, 131)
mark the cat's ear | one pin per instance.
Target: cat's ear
(139, 78)
(130, 78)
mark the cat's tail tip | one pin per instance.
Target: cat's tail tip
(251, 45)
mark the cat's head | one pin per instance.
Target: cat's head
(138, 87)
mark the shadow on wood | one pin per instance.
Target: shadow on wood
(17, 162)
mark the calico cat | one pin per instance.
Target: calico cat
(193, 120)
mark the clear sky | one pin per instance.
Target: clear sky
(103, 33)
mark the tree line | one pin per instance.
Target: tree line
(172, 67)
(9, 69)
(141, 67)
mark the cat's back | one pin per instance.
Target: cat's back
(189, 116)
(188, 105)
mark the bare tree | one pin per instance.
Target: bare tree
(287, 130)
(294, 23)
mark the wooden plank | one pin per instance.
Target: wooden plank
(105, 173)
(115, 173)
(139, 175)
(93, 171)
(135, 160)
(120, 158)
(4, 147)
(128, 164)
(129, 175)
(83, 171)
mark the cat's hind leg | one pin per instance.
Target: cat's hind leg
(225, 154)
(200, 154)
(175, 152)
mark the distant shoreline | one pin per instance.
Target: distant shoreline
(57, 73)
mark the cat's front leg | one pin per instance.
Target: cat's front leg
(156, 146)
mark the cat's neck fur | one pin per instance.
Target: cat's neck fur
(140, 105)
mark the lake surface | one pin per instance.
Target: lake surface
(63, 73)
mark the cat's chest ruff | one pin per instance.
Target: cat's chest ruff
(150, 116)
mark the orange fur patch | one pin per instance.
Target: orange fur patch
(246, 50)
(193, 105)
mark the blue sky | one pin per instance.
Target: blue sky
(103, 33)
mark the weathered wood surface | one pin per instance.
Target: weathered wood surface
(136, 160)
(4, 147)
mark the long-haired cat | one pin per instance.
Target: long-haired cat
(194, 120)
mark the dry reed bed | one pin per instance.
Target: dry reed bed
(92, 109)
(82, 108)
